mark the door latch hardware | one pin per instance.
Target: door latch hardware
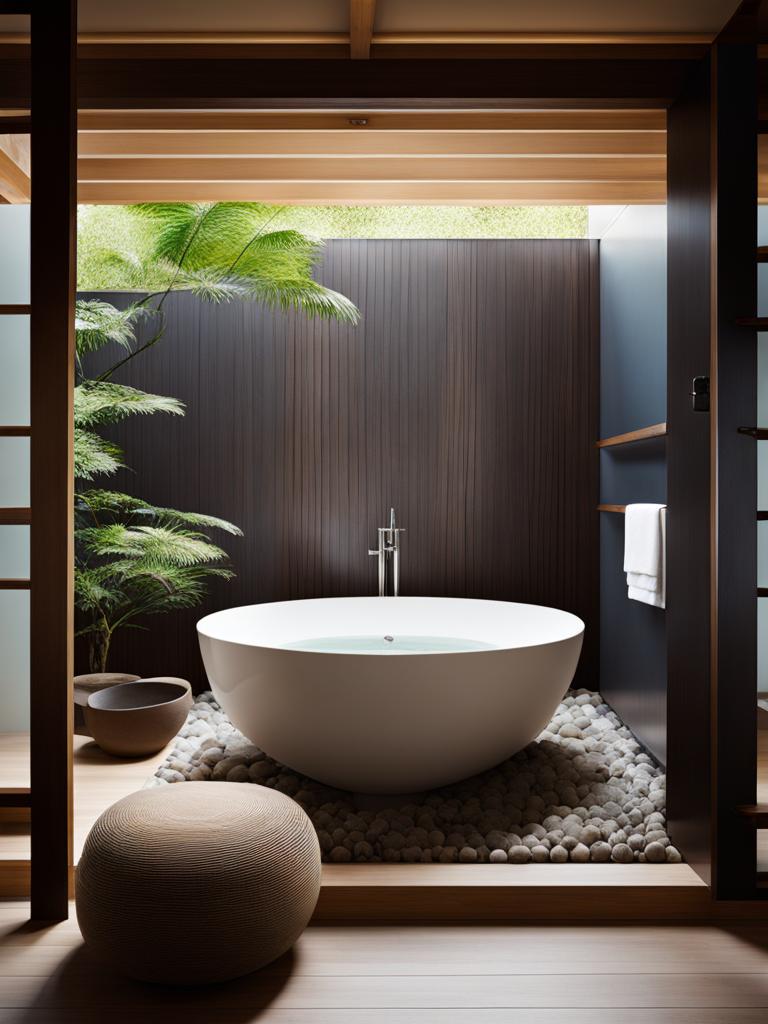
(700, 394)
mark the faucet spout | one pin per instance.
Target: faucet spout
(388, 554)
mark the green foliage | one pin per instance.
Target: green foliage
(134, 559)
(102, 401)
(114, 243)
(94, 455)
(223, 251)
(98, 504)
(98, 323)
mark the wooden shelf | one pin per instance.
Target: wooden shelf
(758, 323)
(655, 430)
(758, 433)
(757, 814)
(762, 515)
(14, 310)
(15, 584)
(762, 254)
(15, 430)
(19, 124)
(14, 796)
(762, 591)
(612, 508)
(15, 516)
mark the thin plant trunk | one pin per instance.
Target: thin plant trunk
(98, 653)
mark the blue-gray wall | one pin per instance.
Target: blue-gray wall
(633, 385)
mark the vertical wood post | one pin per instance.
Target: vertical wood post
(53, 224)
(734, 467)
(689, 558)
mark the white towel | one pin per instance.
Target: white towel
(645, 553)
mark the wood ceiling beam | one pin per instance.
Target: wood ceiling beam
(14, 168)
(361, 17)
(361, 34)
(228, 83)
(588, 168)
(423, 193)
(364, 143)
(374, 120)
(336, 46)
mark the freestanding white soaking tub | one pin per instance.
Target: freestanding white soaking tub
(390, 694)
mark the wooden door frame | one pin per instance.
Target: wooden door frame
(712, 636)
(709, 659)
(52, 351)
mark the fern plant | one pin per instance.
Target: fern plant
(135, 559)
(132, 559)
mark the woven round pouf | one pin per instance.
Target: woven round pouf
(196, 883)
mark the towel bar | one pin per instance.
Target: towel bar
(615, 508)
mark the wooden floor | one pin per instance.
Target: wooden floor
(525, 891)
(488, 974)
(100, 780)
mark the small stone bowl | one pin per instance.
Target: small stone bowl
(137, 719)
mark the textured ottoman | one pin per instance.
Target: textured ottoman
(195, 883)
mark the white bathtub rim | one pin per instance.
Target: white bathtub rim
(566, 626)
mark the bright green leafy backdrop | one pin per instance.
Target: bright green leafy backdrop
(101, 229)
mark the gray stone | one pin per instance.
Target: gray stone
(580, 853)
(518, 855)
(622, 854)
(655, 852)
(600, 852)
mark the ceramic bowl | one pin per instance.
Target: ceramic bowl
(138, 718)
(89, 683)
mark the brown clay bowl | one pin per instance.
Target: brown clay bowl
(137, 719)
(89, 683)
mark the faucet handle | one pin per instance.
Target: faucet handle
(375, 551)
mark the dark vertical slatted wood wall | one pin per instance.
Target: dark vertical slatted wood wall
(467, 398)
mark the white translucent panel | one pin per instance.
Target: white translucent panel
(14, 369)
(762, 288)
(762, 474)
(762, 644)
(14, 471)
(14, 254)
(762, 554)
(14, 663)
(14, 552)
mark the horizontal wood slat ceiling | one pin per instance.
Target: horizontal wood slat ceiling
(398, 193)
(351, 156)
(375, 120)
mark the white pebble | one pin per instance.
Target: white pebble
(586, 790)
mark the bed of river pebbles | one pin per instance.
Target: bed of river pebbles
(585, 790)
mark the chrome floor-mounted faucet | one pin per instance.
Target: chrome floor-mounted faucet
(388, 554)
